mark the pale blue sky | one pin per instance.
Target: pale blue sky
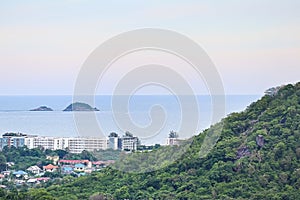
(254, 44)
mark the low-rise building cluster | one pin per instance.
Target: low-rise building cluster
(36, 175)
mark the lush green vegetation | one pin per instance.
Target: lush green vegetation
(257, 156)
(22, 157)
(108, 154)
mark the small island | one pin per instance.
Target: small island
(42, 108)
(80, 107)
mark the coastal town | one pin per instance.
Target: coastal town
(53, 158)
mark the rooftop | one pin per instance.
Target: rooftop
(73, 161)
(20, 172)
(50, 166)
(79, 165)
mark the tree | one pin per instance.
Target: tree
(2, 162)
(86, 155)
(128, 134)
(40, 194)
(173, 134)
(122, 193)
(113, 134)
(61, 153)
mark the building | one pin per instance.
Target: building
(44, 142)
(79, 167)
(114, 142)
(173, 141)
(54, 159)
(77, 145)
(34, 169)
(60, 143)
(72, 162)
(20, 173)
(50, 168)
(67, 170)
(17, 141)
(129, 142)
(29, 142)
(3, 142)
(11, 141)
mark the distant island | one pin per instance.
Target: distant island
(42, 108)
(80, 107)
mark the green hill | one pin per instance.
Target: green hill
(257, 156)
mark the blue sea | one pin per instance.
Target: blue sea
(16, 117)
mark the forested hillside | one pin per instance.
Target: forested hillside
(256, 157)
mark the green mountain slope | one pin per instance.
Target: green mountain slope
(256, 157)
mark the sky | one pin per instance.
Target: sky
(254, 44)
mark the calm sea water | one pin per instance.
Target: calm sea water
(16, 117)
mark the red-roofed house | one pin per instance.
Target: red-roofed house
(50, 168)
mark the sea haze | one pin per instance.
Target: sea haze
(16, 117)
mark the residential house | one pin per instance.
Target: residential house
(67, 169)
(6, 173)
(32, 180)
(10, 164)
(50, 168)
(20, 174)
(34, 169)
(79, 167)
(54, 159)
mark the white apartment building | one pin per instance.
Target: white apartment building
(130, 143)
(77, 145)
(114, 143)
(61, 143)
(29, 142)
(45, 142)
(74, 145)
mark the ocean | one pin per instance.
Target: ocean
(16, 117)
